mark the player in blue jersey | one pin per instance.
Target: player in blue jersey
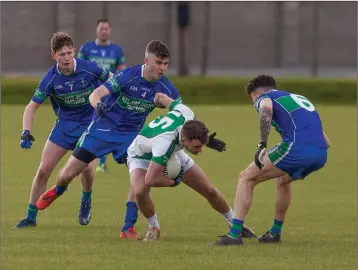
(122, 105)
(106, 53)
(102, 50)
(302, 151)
(69, 84)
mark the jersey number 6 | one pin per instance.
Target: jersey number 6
(303, 102)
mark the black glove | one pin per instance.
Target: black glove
(101, 109)
(26, 139)
(260, 152)
(216, 144)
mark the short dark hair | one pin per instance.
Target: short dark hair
(104, 21)
(60, 40)
(195, 130)
(158, 48)
(260, 81)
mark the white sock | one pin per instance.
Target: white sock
(153, 221)
(229, 216)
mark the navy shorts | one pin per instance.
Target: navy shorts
(298, 161)
(67, 133)
(100, 141)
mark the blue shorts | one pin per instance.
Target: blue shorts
(298, 161)
(66, 133)
(100, 141)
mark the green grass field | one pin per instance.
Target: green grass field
(319, 232)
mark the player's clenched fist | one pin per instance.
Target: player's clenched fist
(26, 139)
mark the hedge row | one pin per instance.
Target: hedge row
(210, 90)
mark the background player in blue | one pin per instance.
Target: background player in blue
(69, 84)
(302, 151)
(106, 53)
(122, 105)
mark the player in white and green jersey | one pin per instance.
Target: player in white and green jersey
(156, 143)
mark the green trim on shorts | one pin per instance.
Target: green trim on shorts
(81, 139)
(83, 136)
(279, 152)
(146, 156)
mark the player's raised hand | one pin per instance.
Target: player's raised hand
(26, 139)
(101, 109)
(261, 150)
(162, 100)
(216, 144)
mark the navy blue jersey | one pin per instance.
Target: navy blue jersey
(131, 99)
(109, 56)
(295, 118)
(69, 94)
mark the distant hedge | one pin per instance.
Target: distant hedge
(213, 90)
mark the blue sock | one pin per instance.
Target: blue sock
(102, 160)
(236, 228)
(60, 190)
(86, 196)
(131, 215)
(276, 227)
(32, 212)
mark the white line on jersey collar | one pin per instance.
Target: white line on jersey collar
(142, 71)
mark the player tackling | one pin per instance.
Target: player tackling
(153, 147)
(302, 151)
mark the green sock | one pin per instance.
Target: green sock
(276, 227)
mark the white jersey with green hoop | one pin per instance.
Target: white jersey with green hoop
(159, 139)
(295, 118)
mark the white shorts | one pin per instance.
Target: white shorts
(136, 163)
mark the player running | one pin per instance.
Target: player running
(69, 84)
(302, 151)
(106, 53)
(122, 105)
(156, 143)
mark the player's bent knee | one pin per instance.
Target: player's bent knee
(212, 192)
(283, 182)
(244, 179)
(44, 172)
(142, 190)
(88, 171)
(247, 177)
(243, 174)
(67, 174)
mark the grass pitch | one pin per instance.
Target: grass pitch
(319, 232)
